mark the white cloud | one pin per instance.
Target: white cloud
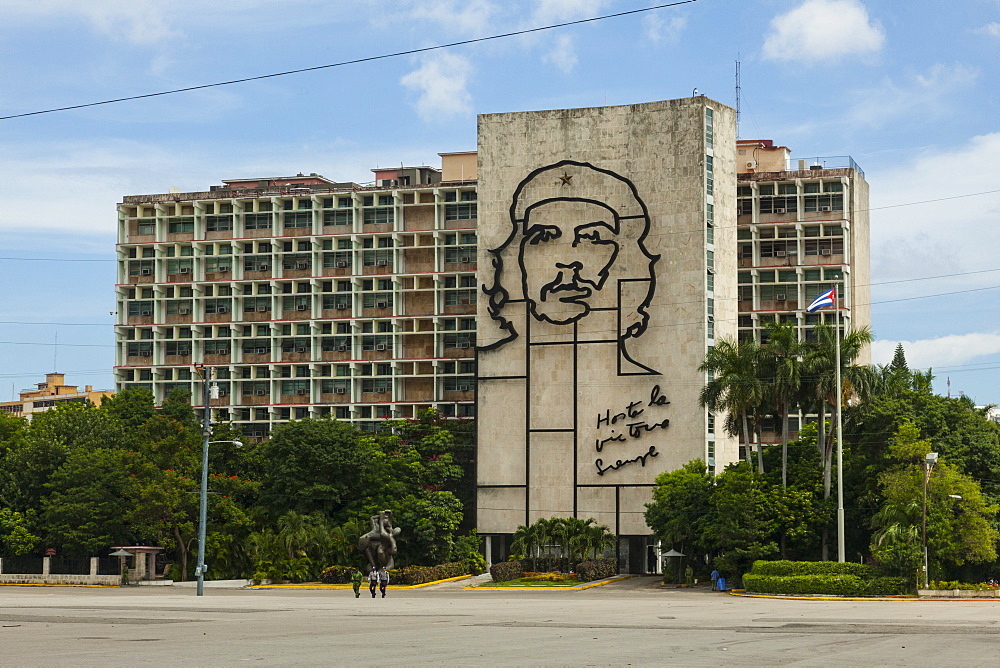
(659, 30)
(945, 351)
(141, 22)
(926, 96)
(469, 17)
(441, 82)
(950, 236)
(990, 29)
(562, 54)
(557, 11)
(823, 30)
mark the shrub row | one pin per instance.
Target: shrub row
(410, 575)
(955, 584)
(337, 574)
(596, 569)
(788, 568)
(838, 585)
(507, 570)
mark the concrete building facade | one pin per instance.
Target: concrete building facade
(607, 258)
(803, 228)
(51, 393)
(306, 297)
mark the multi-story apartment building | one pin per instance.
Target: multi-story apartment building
(802, 228)
(305, 296)
(49, 394)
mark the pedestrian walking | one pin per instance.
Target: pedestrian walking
(715, 579)
(383, 580)
(373, 581)
(356, 579)
(689, 576)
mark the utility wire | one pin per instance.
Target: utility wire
(354, 61)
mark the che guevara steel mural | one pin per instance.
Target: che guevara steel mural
(575, 271)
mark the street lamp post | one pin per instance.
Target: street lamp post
(211, 391)
(929, 460)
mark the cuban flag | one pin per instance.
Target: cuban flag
(828, 298)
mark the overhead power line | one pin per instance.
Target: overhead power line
(355, 61)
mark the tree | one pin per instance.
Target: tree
(736, 387)
(317, 466)
(960, 520)
(680, 503)
(15, 539)
(783, 367)
(739, 524)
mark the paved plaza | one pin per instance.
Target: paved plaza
(632, 622)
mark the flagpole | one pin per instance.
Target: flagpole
(840, 442)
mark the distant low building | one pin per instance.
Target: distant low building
(51, 393)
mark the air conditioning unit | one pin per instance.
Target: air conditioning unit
(301, 349)
(464, 258)
(301, 265)
(342, 263)
(711, 318)
(465, 345)
(222, 351)
(222, 309)
(381, 390)
(341, 349)
(464, 388)
(780, 253)
(261, 309)
(256, 434)
(145, 313)
(779, 210)
(263, 267)
(380, 346)
(381, 263)
(825, 208)
(341, 307)
(145, 272)
(301, 392)
(381, 304)
(260, 393)
(260, 351)
(825, 251)
(780, 297)
(301, 307)
(751, 164)
(145, 353)
(185, 270)
(183, 311)
(223, 270)
(223, 393)
(340, 390)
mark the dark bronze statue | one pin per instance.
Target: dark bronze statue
(379, 544)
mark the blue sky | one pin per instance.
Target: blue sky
(909, 90)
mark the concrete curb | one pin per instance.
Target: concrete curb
(589, 585)
(875, 599)
(364, 585)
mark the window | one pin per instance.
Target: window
(296, 304)
(465, 211)
(139, 350)
(140, 268)
(257, 221)
(257, 304)
(460, 340)
(339, 302)
(330, 344)
(180, 225)
(216, 347)
(377, 343)
(182, 348)
(146, 227)
(295, 387)
(460, 297)
(257, 347)
(179, 307)
(709, 129)
(257, 263)
(377, 300)
(305, 204)
(380, 216)
(338, 217)
(297, 262)
(300, 219)
(460, 254)
(218, 223)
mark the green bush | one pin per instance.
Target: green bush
(596, 569)
(835, 585)
(955, 584)
(787, 568)
(415, 575)
(507, 570)
(338, 574)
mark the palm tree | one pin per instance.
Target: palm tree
(858, 382)
(525, 542)
(783, 363)
(735, 387)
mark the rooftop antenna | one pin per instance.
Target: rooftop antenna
(737, 96)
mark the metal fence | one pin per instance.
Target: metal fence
(67, 566)
(109, 566)
(23, 565)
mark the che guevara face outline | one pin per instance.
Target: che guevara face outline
(566, 252)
